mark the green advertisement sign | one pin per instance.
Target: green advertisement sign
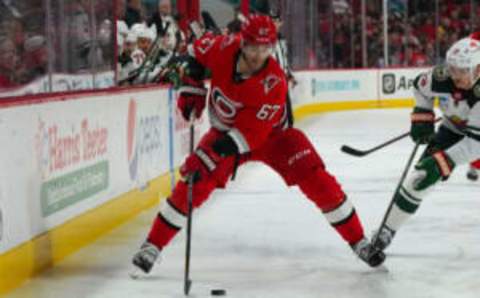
(66, 190)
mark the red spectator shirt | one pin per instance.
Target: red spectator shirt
(5, 82)
(247, 109)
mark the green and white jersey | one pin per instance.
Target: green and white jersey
(460, 109)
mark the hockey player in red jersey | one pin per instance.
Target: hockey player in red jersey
(248, 118)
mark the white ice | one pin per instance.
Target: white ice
(260, 239)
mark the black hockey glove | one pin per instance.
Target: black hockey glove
(423, 128)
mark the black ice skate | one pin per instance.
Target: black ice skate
(367, 253)
(472, 174)
(384, 238)
(145, 258)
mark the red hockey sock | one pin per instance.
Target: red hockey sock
(172, 216)
(324, 190)
(350, 229)
(161, 232)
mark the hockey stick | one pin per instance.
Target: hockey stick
(402, 178)
(187, 281)
(359, 153)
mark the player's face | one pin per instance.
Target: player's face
(462, 77)
(256, 55)
(144, 44)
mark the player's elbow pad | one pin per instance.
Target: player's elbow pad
(225, 146)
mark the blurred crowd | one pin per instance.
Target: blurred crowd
(146, 34)
(417, 34)
(79, 38)
(22, 42)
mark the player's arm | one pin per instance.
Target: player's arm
(205, 49)
(425, 88)
(422, 90)
(468, 148)
(187, 73)
(441, 164)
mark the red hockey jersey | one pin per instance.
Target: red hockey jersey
(247, 109)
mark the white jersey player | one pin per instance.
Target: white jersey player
(457, 141)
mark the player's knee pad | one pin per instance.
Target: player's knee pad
(322, 188)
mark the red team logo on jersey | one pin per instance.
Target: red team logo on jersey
(224, 108)
(270, 82)
(423, 81)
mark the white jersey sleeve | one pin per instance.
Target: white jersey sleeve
(468, 149)
(422, 91)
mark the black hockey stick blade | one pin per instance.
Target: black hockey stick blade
(187, 286)
(360, 153)
(352, 151)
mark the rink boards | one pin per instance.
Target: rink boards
(79, 165)
(75, 167)
(337, 90)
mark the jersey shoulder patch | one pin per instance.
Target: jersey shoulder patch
(440, 73)
(270, 82)
(441, 81)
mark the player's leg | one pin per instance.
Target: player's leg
(292, 155)
(172, 216)
(409, 197)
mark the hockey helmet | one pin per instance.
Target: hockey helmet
(464, 55)
(259, 29)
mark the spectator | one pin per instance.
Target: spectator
(122, 29)
(145, 39)
(8, 63)
(133, 13)
(35, 62)
(83, 50)
(120, 9)
(9, 10)
(163, 19)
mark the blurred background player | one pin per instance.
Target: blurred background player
(248, 118)
(456, 142)
(280, 54)
(472, 173)
(8, 63)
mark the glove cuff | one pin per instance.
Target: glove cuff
(422, 117)
(444, 163)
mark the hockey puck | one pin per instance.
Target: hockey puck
(218, 292)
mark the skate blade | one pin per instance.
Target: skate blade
(382, 268)
(136, 273)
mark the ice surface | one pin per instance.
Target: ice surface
(260, 239)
